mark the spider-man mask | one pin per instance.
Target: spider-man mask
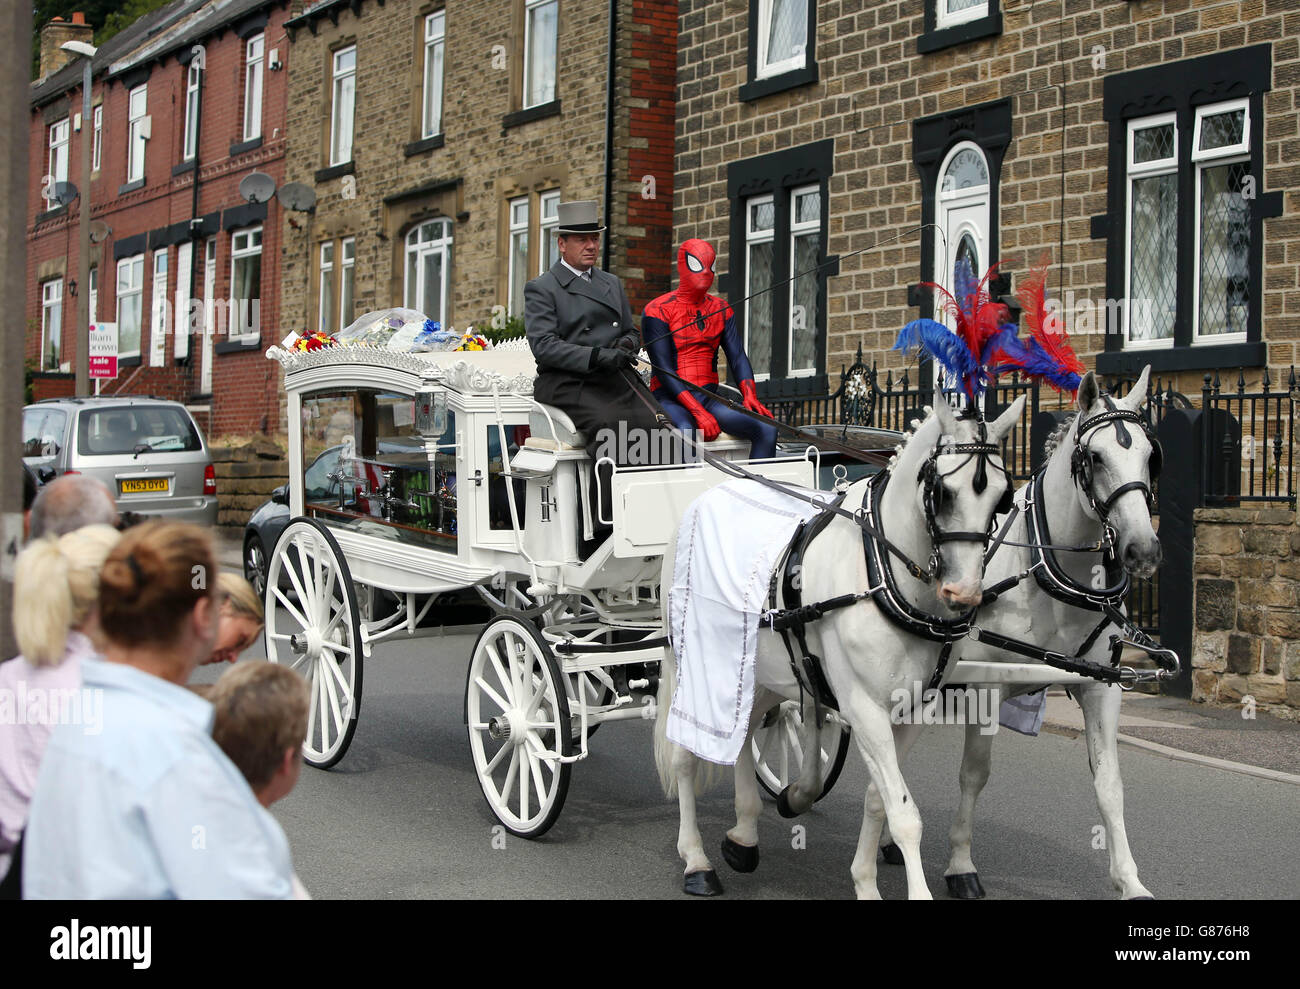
(695, 270)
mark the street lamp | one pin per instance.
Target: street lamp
(85, 52)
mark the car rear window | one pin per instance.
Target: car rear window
(43, 432)
(159, 428)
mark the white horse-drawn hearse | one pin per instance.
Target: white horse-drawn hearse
(413, 475)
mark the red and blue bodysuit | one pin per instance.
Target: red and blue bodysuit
(682, 331)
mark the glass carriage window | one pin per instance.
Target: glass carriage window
(498, 496)
(364, 462)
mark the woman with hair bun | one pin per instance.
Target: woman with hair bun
(151, 808)
(56, 593)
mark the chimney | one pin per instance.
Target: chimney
(56, 33)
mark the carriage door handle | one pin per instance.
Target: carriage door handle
(478, 478)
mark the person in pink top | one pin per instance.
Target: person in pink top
(56, 594)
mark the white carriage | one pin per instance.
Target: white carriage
(416, 475)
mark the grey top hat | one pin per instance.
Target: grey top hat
(578, 218)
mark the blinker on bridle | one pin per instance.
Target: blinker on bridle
(1081, 461)
(932, 499)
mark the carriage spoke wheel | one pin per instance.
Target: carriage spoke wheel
(313, 627)
(778, 749)
(517, 709)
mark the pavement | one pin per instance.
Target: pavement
(1217, 737)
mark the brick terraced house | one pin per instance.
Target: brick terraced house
(439, 139)
(1151, 146)
(188, 101)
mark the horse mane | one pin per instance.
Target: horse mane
(1057, 436)
(907, 438)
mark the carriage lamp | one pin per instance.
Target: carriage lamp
(431, 412)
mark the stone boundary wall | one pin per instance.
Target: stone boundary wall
(247, 473)
(1246, 639)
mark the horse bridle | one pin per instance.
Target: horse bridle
(932, 499)
(1081, 458)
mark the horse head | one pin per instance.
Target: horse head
(1114, 460)
(962, 485)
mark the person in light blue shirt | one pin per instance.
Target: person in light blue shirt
(151, 808)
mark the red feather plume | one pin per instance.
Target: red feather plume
(1046, 326)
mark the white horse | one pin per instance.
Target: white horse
(866, 658)
(1078, 493)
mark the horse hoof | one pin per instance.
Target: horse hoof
(742, 858)
(966, 886)
(783, 804)
(703, 883)
(892, 854)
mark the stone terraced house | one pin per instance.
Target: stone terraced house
(840, 152)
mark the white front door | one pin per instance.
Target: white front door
(963, 200)
(209, 314)
(181, 308)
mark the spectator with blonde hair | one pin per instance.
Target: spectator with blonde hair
(56, 593)
(242, 618)
(151, 808)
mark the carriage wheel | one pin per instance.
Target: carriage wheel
(778, 749)
(313, 627)
(517, 710)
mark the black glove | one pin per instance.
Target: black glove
(629, 344)
(608, 358)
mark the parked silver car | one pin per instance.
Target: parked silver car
(148, 451)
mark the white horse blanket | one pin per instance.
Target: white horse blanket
(729, 543)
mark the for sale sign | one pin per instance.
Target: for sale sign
(103, 350)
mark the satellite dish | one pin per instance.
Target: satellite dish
(63, 193)
(99, 231)
(257, 187)
(297, 197)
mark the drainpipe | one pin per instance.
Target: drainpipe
(609, 130)
(196, 241)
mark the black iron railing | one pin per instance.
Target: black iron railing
(1249, 451)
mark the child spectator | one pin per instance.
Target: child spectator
(260, 720)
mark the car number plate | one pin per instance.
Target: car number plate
(144, 485)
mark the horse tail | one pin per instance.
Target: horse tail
(663, 747)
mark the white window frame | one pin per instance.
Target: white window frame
(764, 69)
(1164, 166)
(58, 158)
(347, 280)
(753, 237)
(51, 319)
(1202, 160)
(325, 293)
(797, 228)
(413, 293)
(435, 59)
(530, 7)
(190, 146)
(158, 316)
(94, 294)
(518, 228)
(135, 139)
(340, 152)
(547, 222)
(254, 75)
(133, 287)
(240, 253)
(98, 145)
(943, 19)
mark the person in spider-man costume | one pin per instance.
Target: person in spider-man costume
(682, 331)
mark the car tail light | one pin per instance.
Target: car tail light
(209, 480)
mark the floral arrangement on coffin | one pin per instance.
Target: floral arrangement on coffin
(314, 341)
(473, 341)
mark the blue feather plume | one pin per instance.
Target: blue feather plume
(964, 285)
(1029, 358)
(944, 346)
